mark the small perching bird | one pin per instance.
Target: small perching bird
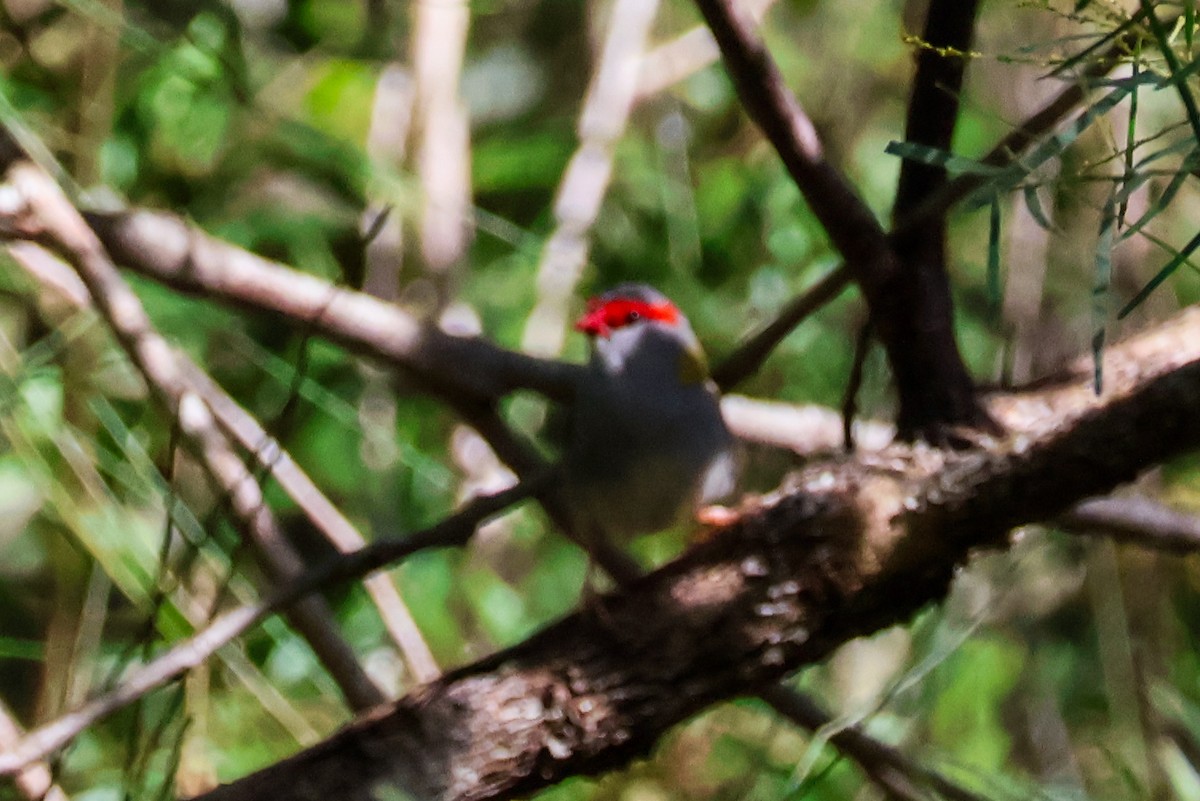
(648, 445)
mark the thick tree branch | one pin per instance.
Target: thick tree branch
(942, 391)
(850, 547)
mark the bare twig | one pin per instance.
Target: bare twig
(685, 55)
(895, 773)
(1138, 520)
(391, 115)
(325, 517)
(847, 219)
(35, 781)
(443, 149)
(605, 113)
(243, 427)
(50, 216)
(749, 356)
(184, 655)
(806, 430)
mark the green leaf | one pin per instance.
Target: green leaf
(1033, 202)
(1178, 73)
(993, 257)
(1163, 200)
(935, 157)
(1161, 276)
(1102, 287)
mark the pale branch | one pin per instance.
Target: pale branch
(35, 781)
(193, 651)
(380, 224)
(1137, 520)
(807, 430)
(169, 250)
(688, 53)
(42, 212)
(849, 547)
(443, 138)
(883, 773)
(606, 107)
(63, 284)
(887, 766)
(326, 518)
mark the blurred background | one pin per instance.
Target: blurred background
(490, 164)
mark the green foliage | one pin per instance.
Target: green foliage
(254, 124)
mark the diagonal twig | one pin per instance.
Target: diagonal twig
(606, 108)
(47, 214)
(188, 653)
(749, 356)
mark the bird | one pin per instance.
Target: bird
(647, 445)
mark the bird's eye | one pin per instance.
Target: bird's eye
(632, 317)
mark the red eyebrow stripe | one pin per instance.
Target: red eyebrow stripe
(604, 316)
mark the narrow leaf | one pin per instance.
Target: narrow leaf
(1105, 41)
(935, 157)
(1164, 45)
(1162, 201)
(1033, 202)
(1161, 276)
(1101, 288)
(993, 257)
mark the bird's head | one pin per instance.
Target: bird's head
(633, 320)
(624, 306)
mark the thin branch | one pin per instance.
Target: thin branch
(443, 149)
(807, 430)
(187, 654)
(685, 55)
(47, 214)
(846, 218)
(320, 511)
(381, 224)
(606, 108)
(35, 781)
(888, 767)
(1137, 520)
(267, 451)
(749, 356)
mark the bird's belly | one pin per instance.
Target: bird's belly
(650, 467)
